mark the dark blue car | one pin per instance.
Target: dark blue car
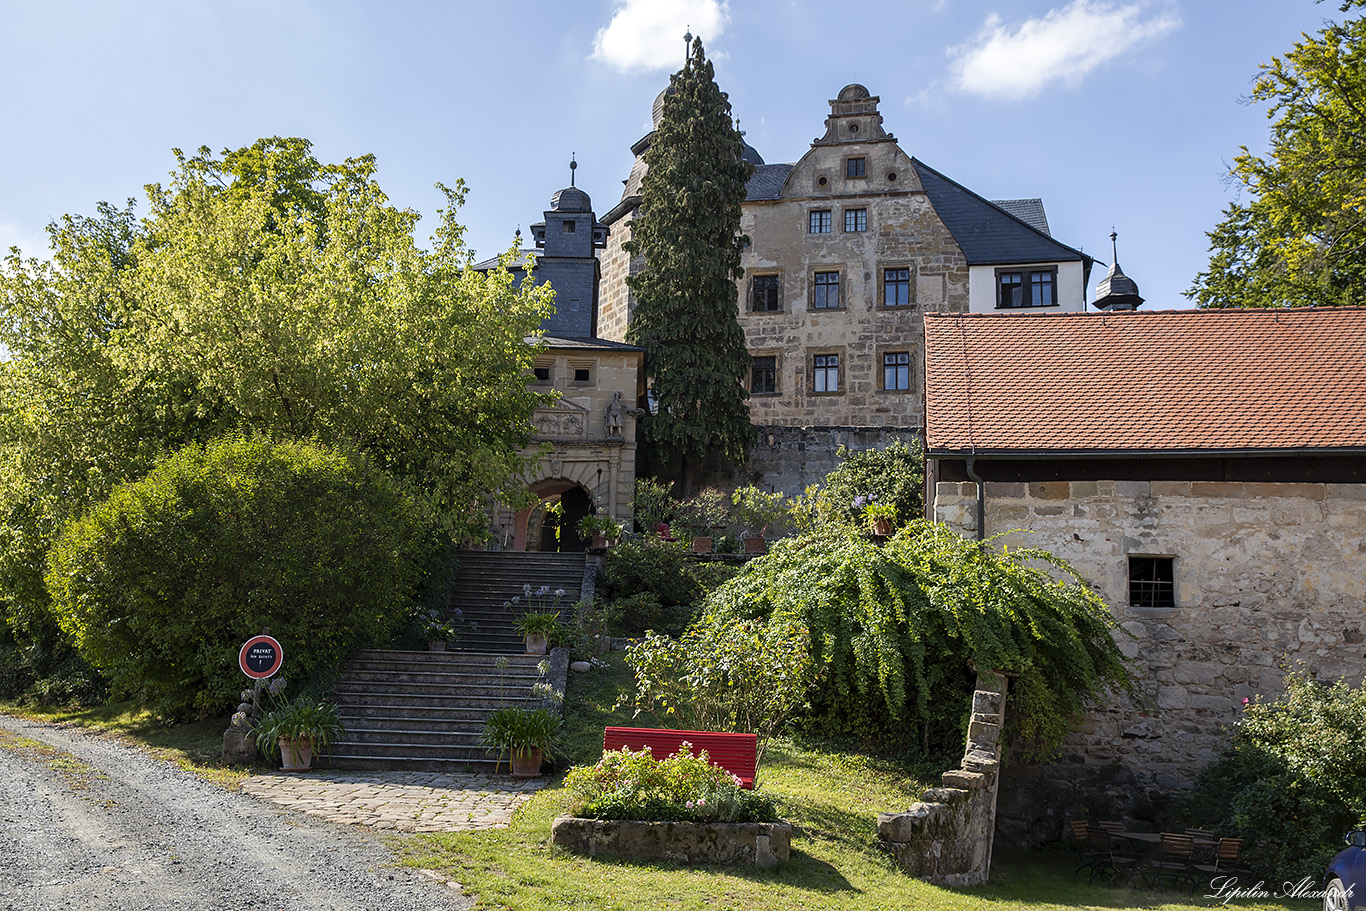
(1346, 876)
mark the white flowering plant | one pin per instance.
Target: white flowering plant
(632, 784)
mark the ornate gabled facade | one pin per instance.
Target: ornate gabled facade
(849, 247)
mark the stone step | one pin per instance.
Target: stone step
(362, 718)
(356, 737)
(481, 676)
(438, 659)
(491, 690)
(361, 761)
(450, 701)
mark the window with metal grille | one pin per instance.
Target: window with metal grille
(896, 370)
(855, 219)
(827, 291)
(764, 375)
(764, 298)
(896, 287)
(818, 221)
(825, 373)
(1152, 581)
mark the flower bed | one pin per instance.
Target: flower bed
(680, 809)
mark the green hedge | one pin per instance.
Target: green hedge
(161, 584)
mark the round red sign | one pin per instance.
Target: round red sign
(260, 657)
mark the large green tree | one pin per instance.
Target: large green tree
(263, 291)
(1300, 238)
(688, 232)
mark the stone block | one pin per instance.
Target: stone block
(1217, 489)
(239, 746)
(1001, 489)
(966, 780)
(1303, 491)
(1050, 490)
(1133, 488)
(1172, 697)
(903, 827)
(1170, 488)
(984, 733)
(1085, 489)
(987, 703)
(943, 795)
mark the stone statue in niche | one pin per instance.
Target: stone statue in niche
(614, 417)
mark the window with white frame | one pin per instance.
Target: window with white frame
(825, 373)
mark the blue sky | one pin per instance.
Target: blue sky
(1122, 114)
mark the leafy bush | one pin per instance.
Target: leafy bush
(894, 477)
(891, 631)
(724, 674)
(661, 568)
(161, 584)
(680, 788)
(653, 506)
(1290, 783)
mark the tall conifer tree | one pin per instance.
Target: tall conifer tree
(689, 235)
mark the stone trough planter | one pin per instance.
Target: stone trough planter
(758, 844)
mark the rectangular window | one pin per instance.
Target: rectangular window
(818, 221)
(896, 370)
(825, 373)
(582, 374)
(855, 167)
(542, 374)
(896, 287)
(764, 294)
(827, 291)
(1026, 288)
(1152, 582)
(856, 219)
(763, 376)
(569, 227)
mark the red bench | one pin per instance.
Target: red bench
(736, 753)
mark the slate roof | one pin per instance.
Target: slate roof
(523, 256)
(1176, 382)
(1029, 211)
(593, 344)
(767, 181)
(987, 233)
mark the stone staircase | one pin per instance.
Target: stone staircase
(486, 579)
(425, 710)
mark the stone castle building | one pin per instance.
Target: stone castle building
(849, 247)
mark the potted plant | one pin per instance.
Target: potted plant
(298, 728)
(441, 631)
(601, 528)
(757, 510)
(526, 736)
(881, 518)
(707, 511)
(537, 628)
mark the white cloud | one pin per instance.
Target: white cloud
(647, 35)
(1015, 62)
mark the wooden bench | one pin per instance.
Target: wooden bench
(736, 753)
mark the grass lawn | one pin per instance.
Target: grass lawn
(832, 799)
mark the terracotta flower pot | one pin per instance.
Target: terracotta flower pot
(537, 643)
(296, 755)
(526, 763)
(882, 527)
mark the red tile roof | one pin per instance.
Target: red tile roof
(1176, 382)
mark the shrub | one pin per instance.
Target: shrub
(891, 631)
(661, 568)
(724, 674)
(653, 506)
(1290, 783)
(682, 788)
(159, 585)
(894, 477)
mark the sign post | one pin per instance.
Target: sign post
(261, 657)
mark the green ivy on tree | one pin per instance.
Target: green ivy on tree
(1300, 240)
(688, 233)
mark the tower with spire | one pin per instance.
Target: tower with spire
(569, 237)
(1116, 290)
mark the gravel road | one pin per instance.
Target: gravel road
(89, 823)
